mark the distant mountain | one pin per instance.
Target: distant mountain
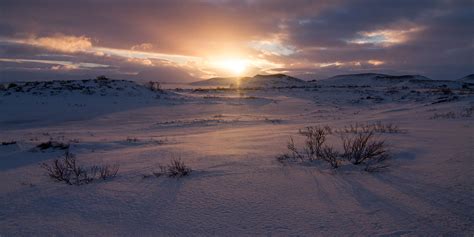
(467, 79)
(258, 81)
(217, 81)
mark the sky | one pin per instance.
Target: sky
(189, 40)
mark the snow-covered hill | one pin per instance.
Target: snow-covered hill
(55, 101)
(97, 87)
(384, 80)
(467, 79)
(258, 81)
(370, 79)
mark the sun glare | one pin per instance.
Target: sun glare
(234, 66)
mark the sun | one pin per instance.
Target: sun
(234, 66)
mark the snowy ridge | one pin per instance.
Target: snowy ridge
(74, 99)
(467, 79)
(371, 79)
(384, 80)
(95, 87)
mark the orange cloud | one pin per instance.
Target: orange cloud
(376, 62)
(63, 43)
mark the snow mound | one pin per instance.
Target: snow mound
(258, 81)
(97, 87)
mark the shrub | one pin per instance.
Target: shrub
(467, 112)
(363, 148)
(7, 143)
(154, 86)
(359, 148)
(68, 171)
(102, 78)
(294, 154)
(330, 155)
(52, 145)
(315, 138)
(445, 91)
(132, 139)
(448, 115)
(314, 148)
(378, 127)
(176, 168)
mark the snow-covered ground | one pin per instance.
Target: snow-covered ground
(231, 138)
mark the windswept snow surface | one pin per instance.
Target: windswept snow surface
(230, 138)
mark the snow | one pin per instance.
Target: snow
(468, 79)
(230, 138)
(383, 80)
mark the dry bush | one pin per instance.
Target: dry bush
(314, 148)
(154, 86)
(467, 112)
(68, 171)
(330, 155)
(52, 145)
(315, 138)
(364, 148)
(105, 172)
(448, 115)
(378, 127)
(384, 127)
(360, 147)
(132, 139)
(7, 143)
(102, 78)
(294, 153)
(176, 168)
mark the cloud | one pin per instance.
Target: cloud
(425, 37)
(69, 64)
(375, 62)
(272, 47)
(142, 47)
(62, 43)
(385, 37)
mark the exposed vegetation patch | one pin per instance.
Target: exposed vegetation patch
(52, 145)
(177, 168)
(464, 113)
(68, 171)
(360, 147)
(376, 127)
(363, 148)
(154, 86)
(8, 143)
